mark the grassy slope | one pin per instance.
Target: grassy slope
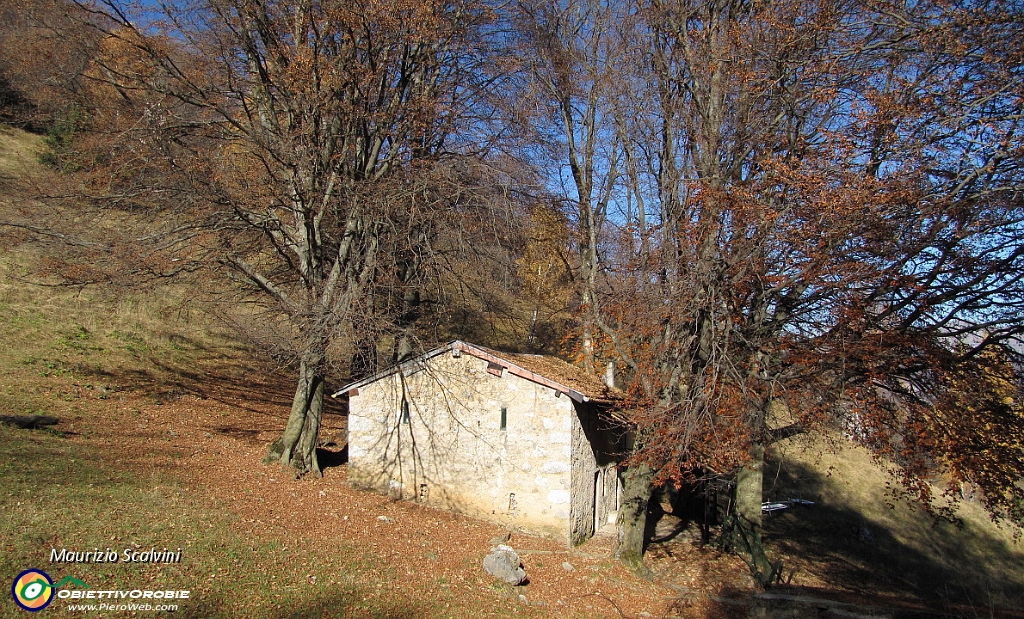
(76, 357)
(18, 152)
(858, 538)
(74, 354)
(68, 353)
(66, 495)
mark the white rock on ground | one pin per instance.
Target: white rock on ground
(504, 563)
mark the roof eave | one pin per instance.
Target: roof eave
(475, 351)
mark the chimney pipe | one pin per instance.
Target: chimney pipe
(609, 375)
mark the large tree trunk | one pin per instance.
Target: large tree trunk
(632, 517)
(747, 519)
(408, 278)
(297, 446)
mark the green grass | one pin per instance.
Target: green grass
(19, 153)
(60, 494)
(63, 352)
(98, 341)
(858, 537)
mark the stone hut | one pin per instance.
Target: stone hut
(527, 441)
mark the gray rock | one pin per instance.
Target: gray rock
(503, 563)
(568, 566)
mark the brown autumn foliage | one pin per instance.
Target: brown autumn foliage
(829, 227)
(810, 207)
(319, 154)
(43, 51)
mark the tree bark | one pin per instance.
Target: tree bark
(632, 517)
(747, 519)
(296, 447)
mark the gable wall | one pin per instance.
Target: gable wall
(453, 452)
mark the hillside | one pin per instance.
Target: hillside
(856, 537)
(164, 417)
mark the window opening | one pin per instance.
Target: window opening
(504, 417)
(405, 411)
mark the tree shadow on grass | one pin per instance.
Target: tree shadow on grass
(898, 554)
(339, 603)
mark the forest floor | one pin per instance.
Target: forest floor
(147, 466)
(169, 457)
(164, 418)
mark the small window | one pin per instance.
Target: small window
(405, 411)
(504, 417)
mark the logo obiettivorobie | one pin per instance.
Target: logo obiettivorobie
(32, 590)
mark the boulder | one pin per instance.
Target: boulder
(503, 563)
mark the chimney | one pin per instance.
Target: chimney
(609, 375)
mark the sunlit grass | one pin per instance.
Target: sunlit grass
(60, 494)
(65, 353)
(857, 533)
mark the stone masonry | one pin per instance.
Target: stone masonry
(457, 432)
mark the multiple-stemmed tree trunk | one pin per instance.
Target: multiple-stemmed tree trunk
(799, 213)
(818, 215)
(313, 142)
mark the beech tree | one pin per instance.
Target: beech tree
(829, 193)
(309, 149)
(43, 52)
(830, 225)
(569, 51)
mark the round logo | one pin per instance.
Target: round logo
(32, 590)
